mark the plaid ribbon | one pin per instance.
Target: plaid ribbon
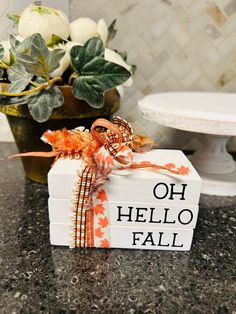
(87, 207)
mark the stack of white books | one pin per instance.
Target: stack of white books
(147, 209)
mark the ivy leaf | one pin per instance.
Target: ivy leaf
(41, 105)
(35, 56)
(54, 59)
(81, 55)
(21, 50)
(97, 77)
(18, 77)
(133, 68)
(1, 51)
(39, 80)
(22, 99)
(14, 16)
(55, 40)
(38, 49)
(1, 74)
(13, 41)
(111, 31)
(123, 55)
(17, 100)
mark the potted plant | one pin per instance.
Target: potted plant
(57, 74)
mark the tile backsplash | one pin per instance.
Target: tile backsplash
(178, 45)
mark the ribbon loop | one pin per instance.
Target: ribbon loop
(104, 131)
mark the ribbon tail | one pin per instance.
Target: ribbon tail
(36, 154)
(82, 228)
(146, 164)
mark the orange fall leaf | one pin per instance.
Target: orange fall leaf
(105, 243)
(98, 232)
(99, 209)
(103, 222)
(102, 196)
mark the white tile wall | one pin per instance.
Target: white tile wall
(177, 45)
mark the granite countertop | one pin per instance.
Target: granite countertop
(38, 278)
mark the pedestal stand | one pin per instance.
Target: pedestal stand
(213, 116)
(215, 165)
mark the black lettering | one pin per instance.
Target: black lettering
(155, 190)
(134, 237)
(124, 215)
(151, 216)
(191, 216)
(160, 238)
(140, 215)
(177, 193)
(173, 244)
(149, 238)
(165, 218)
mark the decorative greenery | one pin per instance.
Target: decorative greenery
(95, 74)
(35, 56)
(111, 31)
(41, 105)
(37, 66)
(18, 77)
(55, 40)
(14, 16)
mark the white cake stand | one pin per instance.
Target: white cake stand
(213, 115)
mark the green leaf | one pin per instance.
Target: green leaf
(34, 55)
(14, 16)
(6, 100)
(17, 100)
(81, 55)
(123, 55)
(55, 40)
(18, 77)
(21, 50)
(97, 77)
(111, 31)
(40, 80)
(39, 49)
(41, 106)
(1, 51)
(13, 41)
(133, 68)
(54, 59)
(1, 74)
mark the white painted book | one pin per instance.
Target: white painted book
(144, 209)
(137, 184)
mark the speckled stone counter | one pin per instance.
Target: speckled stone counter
(38, 278)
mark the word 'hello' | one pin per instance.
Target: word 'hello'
(152, 215)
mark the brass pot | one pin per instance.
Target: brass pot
(27, 132)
